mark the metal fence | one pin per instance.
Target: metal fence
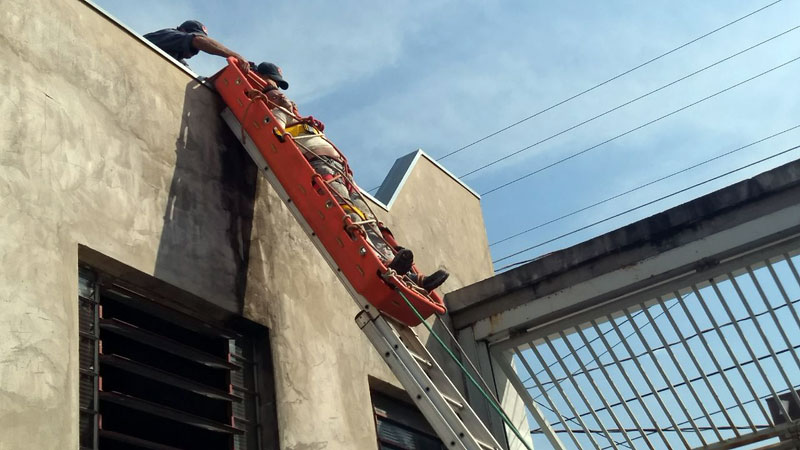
(707, 361)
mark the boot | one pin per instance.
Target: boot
(402, 261)
(434, 280)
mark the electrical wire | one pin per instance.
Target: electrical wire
(763, 397)
(622, 105)
(567, 158)
(626, 72)
(635, 208)
(642, 186)
(660, 347)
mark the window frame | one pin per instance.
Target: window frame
(193, 313)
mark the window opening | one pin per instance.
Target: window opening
(153, 378)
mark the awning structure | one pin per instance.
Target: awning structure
(678, 331)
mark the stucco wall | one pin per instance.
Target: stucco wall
(107, 144)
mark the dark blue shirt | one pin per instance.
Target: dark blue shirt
(175, 43)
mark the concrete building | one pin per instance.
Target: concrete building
(135, 226)
(157, 294)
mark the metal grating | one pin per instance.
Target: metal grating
(243, 382)
(152, 378)
(88, 345)
(400, 426)
(693, 365)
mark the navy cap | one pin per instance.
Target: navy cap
(193, 26)
(272, 72)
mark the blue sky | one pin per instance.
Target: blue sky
(390, 77)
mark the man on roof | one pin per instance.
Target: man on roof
(327, 161)
(190, 38)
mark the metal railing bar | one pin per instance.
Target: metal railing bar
(695, 379)
(647, 381)
(595, 387)
(652, 430)
(672, 344)
(777, 324)
(718, 412)
(782, 290)
(788, 304)
(597, 360)
(579, 348)
(792, 267)
(724, 341)
(696, 364)
(724, 302)
(711, 355)
(663, 375)
(544, 426)
(580, 393)
(547, 397)
(732, 260)
(761, 334)
(564, 396)
(682, 373)
(614, 387)
(631, 386)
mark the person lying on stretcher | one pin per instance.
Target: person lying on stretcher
(327, 161)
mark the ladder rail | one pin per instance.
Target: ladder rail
(456, 429)
(422, 392)
(470, 431)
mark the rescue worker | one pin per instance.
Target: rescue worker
(189, 39)
(331, 165)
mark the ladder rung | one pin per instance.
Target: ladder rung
(421, 360)
(454, 402)
(485, 445)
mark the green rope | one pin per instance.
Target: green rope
(464, 369)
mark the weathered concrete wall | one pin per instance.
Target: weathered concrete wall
(107, 144)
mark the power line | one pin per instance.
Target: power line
(763, 397)
(608, 80)
(642, 186)
(689, 381)
(731, 367)
(618, 107)
(634, 209)
(567, 158)
(634, 357)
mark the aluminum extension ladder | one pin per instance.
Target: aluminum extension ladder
(432, 391)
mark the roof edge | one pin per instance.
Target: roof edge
(142, 40)
(656, 227)
(398, 175)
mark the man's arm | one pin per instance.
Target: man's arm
(209, 45)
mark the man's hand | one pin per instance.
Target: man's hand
(311, 120)
(244, 64)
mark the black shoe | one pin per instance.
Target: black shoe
(434, 280)
(402, 261)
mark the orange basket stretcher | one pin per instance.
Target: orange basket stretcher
(348, 252)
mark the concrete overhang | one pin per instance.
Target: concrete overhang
(668, 245)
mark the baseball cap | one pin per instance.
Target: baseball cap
(193, 26)
(272, 72)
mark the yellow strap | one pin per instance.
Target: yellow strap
(300, 128)
(352, 208)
